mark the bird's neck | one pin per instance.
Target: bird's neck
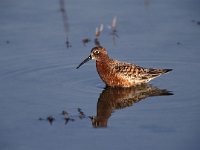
(103, 62)
(103, 67)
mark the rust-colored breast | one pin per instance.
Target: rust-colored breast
(115, 74)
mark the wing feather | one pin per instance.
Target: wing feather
(134, 72)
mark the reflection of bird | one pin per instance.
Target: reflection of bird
(118, 98)
(121, 74)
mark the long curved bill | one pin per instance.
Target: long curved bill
(86, 60)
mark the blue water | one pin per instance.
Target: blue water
(38, 76)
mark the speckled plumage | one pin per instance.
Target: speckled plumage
(121, 74)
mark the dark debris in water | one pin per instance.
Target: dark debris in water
(85, 41)
(66, 117)
(81, 114)
(68, 45)
(6, 42)
(51, 119)
(196, 21)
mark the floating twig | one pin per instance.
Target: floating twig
(97, 35)
(113, 28)
(65, 22)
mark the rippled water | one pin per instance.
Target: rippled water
(38, 76)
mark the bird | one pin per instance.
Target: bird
(116, 73)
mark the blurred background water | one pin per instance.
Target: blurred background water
(38, 76)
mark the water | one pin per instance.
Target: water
(38, 76)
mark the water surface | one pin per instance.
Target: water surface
(38, 76)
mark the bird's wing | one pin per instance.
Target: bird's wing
(132, 71)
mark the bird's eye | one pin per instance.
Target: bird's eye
(96, 52)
